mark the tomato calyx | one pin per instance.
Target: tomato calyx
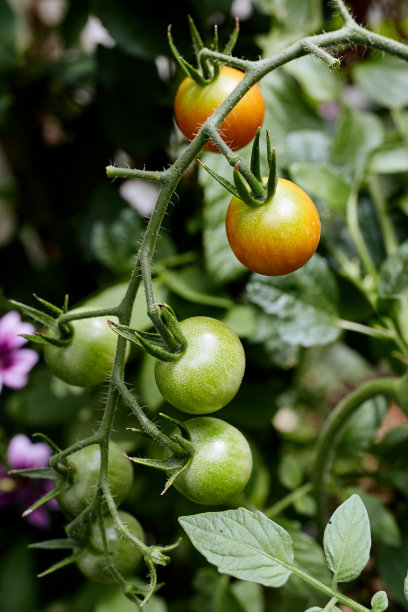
(58, 334)
(254, 190)
(173, 464)
(169, 348)
(207, 70)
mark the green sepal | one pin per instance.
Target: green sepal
(174, 476)
(174, 327)
(135, 337)
(67, 561)
(45, 498)
(187, 68)
(243, 192)
(268, 149)
(193, 73)
(39, 338)
(221, 180)
(51, 307)
(184, 443)
(231, 42)
(256, 156)
(198, 45)
(36, 315)
(57, 544)
(45, 472)
(175, 421)
(172, 463)
(272, 177)
(48, 440)
(65, 305)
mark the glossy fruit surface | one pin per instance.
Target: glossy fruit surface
(195, 103)
(85, 465)
(209, 373)
(278, 237)
(221, 463)
(88, 359)
(123, 553)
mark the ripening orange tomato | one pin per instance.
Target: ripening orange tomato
(194, 103)
(277, 237)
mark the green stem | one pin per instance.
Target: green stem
(354, 228)
(288, 500)
(388, 230)
(331, 433)
(330, 592)
(375, 332)
(147, 425)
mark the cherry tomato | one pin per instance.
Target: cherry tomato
(221, 464)
(194, 103)
(85, 464)
(122, 552)
(88, 359)
(278, 237)
(209, 373)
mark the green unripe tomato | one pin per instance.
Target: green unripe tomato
(85, 464)
(88, 359)
(221, 464)
(123, 553)
(209, 373)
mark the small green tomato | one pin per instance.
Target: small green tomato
(209, 373)
(122, 552)
(221, 463)
(85, 464)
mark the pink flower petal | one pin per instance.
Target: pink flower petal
(10, 327)
(22, 453)
(39, 518)
(14, 375)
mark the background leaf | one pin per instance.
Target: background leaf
(347, 540)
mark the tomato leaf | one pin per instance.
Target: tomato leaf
(394, 274)
(243, 544)
(379, 601)
(304, 303)
(322, 181)
(384, 80)
(347, 540)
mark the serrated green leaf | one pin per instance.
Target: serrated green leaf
(384, 80)
(347, 540)
(357, 134)
(379, 601)
(393, 280)
(322, 181)
(389, 160)
(304, 303)
(290, 472)
(406, 587)
(305, 146)
(243, 544)
(384, 526)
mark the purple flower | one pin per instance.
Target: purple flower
(15, 362)
(23, 454)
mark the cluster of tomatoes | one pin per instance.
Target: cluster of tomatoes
(279, 236)
(274, 238)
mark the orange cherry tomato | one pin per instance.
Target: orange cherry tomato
(195, 103)
(278, 237)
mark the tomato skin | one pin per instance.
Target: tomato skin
(123, 553)
(275, 238)
(85, 464)
(221, 464)
(209, 373)
(88, 359)
(195, 103)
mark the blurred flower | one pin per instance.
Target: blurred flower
(15, 362)
(23, 454)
